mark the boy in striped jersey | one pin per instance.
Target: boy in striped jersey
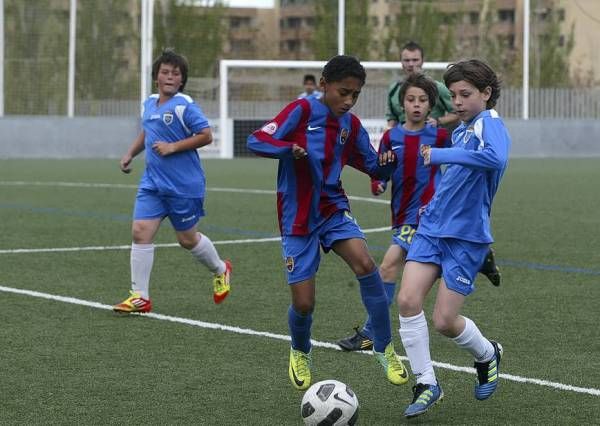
(314, 139)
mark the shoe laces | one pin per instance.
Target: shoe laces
(418, 389)
(483, 370)
(220, 282)
(358, 334)
(302, 362)
(393, 362)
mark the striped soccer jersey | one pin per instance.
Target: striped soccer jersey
(413, 184)
(309, 190)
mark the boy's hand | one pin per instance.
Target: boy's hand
(433, 121)
(125, 163)
(426, 153)
(377, 187)
(387, 157)
(163, 148)
(298, 152)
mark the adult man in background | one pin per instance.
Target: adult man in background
(442, 113)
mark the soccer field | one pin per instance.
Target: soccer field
(66, 358)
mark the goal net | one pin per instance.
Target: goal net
(251, 92)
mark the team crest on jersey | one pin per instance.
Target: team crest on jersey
(468, 134)
(344, 136)
(289, 263)
(168, 118)
(270, 128)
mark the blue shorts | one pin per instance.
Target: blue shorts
(184, 213)
(459, 260)
(301, 252)
(403, 235)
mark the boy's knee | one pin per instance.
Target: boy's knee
(304, 307)
(364, 266)
(443, 324)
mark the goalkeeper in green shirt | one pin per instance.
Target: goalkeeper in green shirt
(442, 113)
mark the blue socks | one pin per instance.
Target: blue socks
(390, 289)
(299, 326)
(375, 299)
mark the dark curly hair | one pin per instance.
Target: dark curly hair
(477, 73)
(342, 66)
(168, 56)
(422, 82)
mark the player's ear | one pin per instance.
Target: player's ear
(487, 93)
(322, 83)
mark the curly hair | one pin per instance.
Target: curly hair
(342, 66)
(477, 73)
(168, 56)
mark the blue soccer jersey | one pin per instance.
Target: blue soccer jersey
(413, 184)
(179, 174)
(309, 190)
(476, 162)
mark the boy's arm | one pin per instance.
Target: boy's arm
(193, 142)
(491, 154)
(391, 117)
(268, 141)
(378, 186)
(136, 147)
(362, 156)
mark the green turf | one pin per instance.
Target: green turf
(62, 363)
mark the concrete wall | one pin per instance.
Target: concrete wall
(102, 137)
(62, 137)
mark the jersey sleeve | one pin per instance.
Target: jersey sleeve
(385, 145)
(194, 119)
(363, 157)
(490, 154)
(270, 140)
(390, 113)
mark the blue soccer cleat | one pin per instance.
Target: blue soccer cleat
(425, 396)
(488, 373)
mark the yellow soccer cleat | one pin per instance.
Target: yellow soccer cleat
(134, 303)
(392, 365)
(299, 370)
(221, 284)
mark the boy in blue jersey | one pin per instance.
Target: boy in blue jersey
(313, 140)
(173, 183)
(413, 185)
(453, 236)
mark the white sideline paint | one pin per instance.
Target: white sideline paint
(316, 343)
(167, 245)
(127, 247)
(124, 186)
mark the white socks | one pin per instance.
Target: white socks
(415, 338)
(141, 259)
(473, 341)
(206, 254)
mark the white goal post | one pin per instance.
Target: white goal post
(226, 143)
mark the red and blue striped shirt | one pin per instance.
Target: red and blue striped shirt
(309, 190)
(413, 184)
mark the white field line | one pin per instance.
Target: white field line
(127, 186)
(128, 247)
(316, 343)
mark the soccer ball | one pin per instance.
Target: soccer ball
(329, 402)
